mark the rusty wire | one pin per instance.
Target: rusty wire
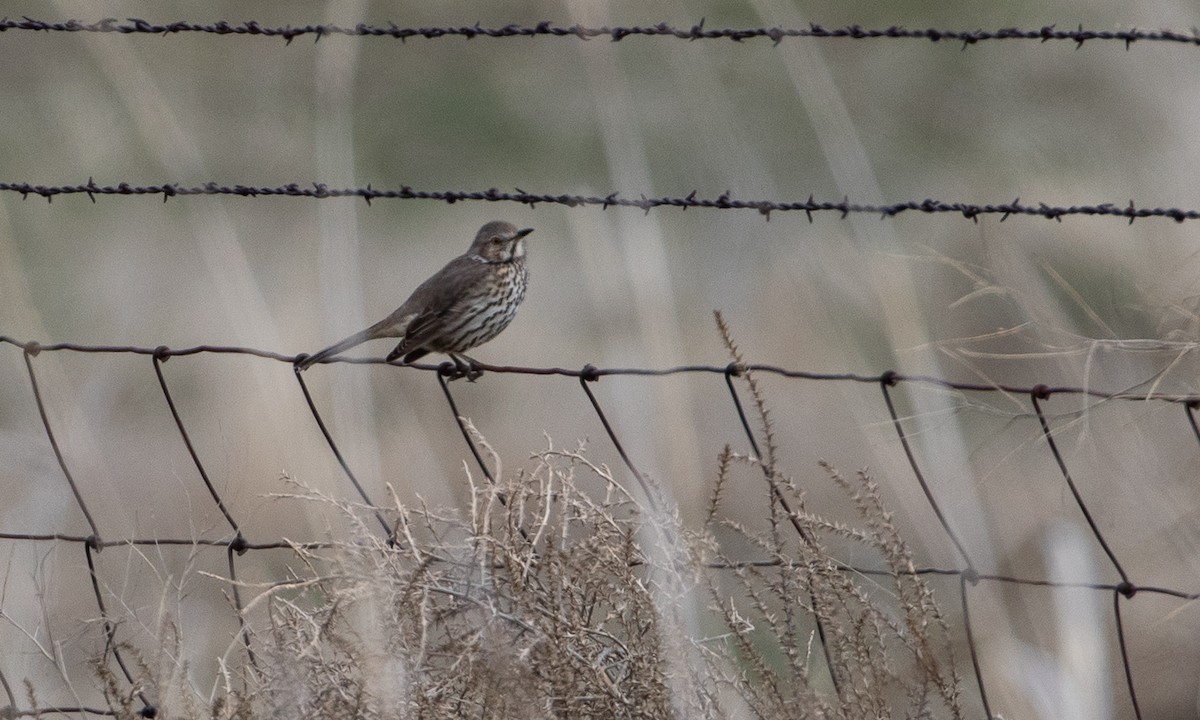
(776, 34)
(724, 201)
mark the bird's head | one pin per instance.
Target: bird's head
(500, 242)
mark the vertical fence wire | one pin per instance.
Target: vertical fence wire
(238, 545)
(446, 372)
(362, 493)
(1043, 393)
(29, 353)
(93, 543)
(159, 358)
(1118, 595)
(963, 580)
(653, 498)
(887, 381)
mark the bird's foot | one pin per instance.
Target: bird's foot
(461, 367)
(470, 369)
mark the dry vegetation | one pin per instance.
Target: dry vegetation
(563, 592)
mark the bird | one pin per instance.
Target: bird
(468, 302)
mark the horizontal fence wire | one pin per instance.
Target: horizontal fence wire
(237, 545)
(592, 372)
(725, 201)
(1046, 33)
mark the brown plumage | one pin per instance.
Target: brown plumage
(465, 304)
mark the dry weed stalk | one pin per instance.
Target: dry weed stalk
(873, 665)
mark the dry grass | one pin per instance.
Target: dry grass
(587, 614)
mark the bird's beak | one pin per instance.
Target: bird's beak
(523, 233)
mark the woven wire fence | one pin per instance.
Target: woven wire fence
(239, 540)
(235, 543)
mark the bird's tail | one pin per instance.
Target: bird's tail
(338, 347)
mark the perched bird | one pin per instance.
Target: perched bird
(466, 303)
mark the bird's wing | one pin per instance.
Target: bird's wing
(420, 330)
(433, 300)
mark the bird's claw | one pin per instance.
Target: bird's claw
(461, 367)
(468, 368)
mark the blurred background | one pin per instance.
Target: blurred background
(1089, 302)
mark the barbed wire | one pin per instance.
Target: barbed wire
(237, 545)
(776, 34)
(725, 201)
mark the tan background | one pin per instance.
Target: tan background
(1091, 302)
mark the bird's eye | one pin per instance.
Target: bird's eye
(496, 240)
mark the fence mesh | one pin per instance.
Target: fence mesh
(1127, 590)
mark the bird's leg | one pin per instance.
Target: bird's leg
(466, 366)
